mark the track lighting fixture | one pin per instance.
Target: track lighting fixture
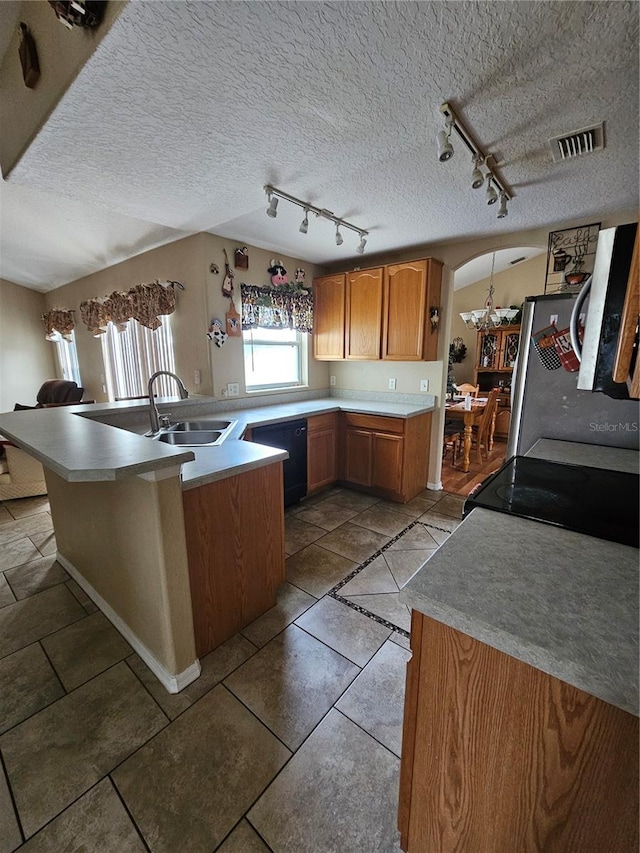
(492, 195)
(272, 210)
(445, 148)
(273, 194)
(496, 187)
(477, 178)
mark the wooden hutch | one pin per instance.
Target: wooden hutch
(496, 353)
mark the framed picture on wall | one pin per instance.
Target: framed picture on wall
(570, 257)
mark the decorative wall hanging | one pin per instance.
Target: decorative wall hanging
(234, 324)
(278, 274)
(299, 277)
(59, 321)
(216, 332)
(145, 303)
(213, 268)
(267, 308)
(227, 281)
(457, 351)
(241, 258)
(570, 257)
(79, 13)
(28, 57)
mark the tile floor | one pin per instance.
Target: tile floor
(289, 740)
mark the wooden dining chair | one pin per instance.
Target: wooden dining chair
(482, 430)
(468, 388)
(452, 438)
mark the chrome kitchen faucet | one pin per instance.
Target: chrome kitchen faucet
(153, 409)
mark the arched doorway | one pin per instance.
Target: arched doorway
(513, 274)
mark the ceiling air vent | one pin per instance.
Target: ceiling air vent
(577, 143)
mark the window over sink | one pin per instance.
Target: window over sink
(274, 358)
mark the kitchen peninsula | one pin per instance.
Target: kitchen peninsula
(521, 712)
(137, 521)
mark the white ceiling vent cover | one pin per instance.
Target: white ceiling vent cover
(577, 143)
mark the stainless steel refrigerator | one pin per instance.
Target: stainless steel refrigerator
(547, 403)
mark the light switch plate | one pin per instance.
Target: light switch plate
(233, 389)
(424, 384)
(332, 381)
(392, 385)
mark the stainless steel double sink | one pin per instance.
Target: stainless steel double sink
(200, 433)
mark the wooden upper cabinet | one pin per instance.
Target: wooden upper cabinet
(411, 294)
(328, 317)
(363, 314)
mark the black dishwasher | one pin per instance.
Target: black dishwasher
(292, 437)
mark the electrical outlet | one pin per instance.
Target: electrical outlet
(197, 376)
(424, 384)
(332, 381)
(233, 389)
(392, 385)
(553, 319)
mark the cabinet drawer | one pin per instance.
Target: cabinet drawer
(316, 423)
(375, 422)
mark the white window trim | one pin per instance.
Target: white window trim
(301, 343)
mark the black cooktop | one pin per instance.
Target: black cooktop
(593, 501)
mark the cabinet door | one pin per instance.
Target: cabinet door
(357, 456)
(328, 317)
(508, 349)
(488, 350)
(364, 314)
(322, 463)
(386, 466)
(405, 303)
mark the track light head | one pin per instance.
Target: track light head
(304, 225)
(272, 210)
(492, 195)
(339, 238)
(445, 148)
(361, 245)
(477, 178)
(502, 210)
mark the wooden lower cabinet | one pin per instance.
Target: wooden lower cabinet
(499, 757)
(235, 545)
(322, 451)
(387, 456)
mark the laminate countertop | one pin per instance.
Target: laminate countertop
(563, 602)
(104, 441)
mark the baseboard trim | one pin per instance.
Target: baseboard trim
(171, 683)
(435, 487)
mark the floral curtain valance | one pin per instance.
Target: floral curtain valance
(144, 303)
(59, 321)
(275, 308)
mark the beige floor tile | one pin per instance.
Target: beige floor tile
(419, 537)
(375, 577)
(354, 500)
(439, 536)
(353, 542)
(401, 640)
(23, 507)
(10, 837)
(34, 576)
(83, 650)
(6, 596)
(96, 823)
(243, 839)
(327, 515)
(81, 596)
(298, 534)
(10, 532)
(348, 632)
(17, 552)
(338, 794)
(375, 700)
(316, 570)
(5, 515)
(35, 617)
(215, 666)
(438, 519)
(190, 785)
(28, 683)
(383, 520)
(291, 683)
(291, 602)
(57, 755)
(450, 505)
(26, 526)
(404, 564)
(385, 605)
(45, 542)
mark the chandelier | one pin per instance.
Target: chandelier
(488, 317)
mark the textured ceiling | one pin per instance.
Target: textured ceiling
(187, 108)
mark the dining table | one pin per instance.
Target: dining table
(455, 409)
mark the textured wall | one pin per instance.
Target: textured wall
(26, 359)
